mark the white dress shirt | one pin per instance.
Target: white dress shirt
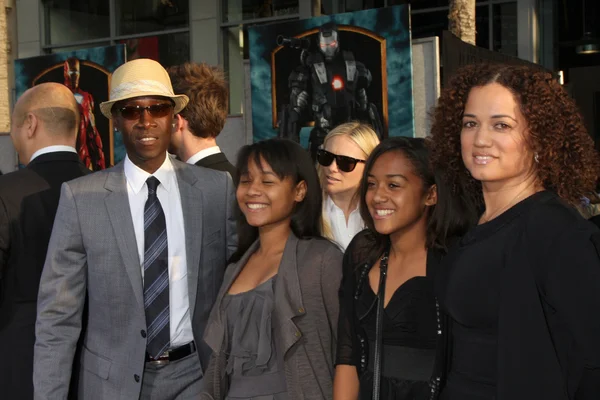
(52, 149)
(342, 232)
(170, 200)
(203, 154)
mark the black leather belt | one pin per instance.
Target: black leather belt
(174, 354)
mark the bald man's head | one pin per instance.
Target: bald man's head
(45, 115)
(55, 107)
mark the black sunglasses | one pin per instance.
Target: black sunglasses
(155, 111)
(344, 163)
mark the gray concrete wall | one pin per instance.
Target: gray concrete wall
(232, 137)
(426, 82)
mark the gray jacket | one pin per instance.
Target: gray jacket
(304, 319)
(93, 252)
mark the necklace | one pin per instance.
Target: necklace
(511, 203)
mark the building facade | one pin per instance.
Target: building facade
(215, 31)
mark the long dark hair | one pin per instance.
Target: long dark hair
(449, 218)
(286, 159)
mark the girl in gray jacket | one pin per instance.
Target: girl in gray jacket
(273, 326)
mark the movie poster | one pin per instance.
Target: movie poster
(373, 46)
(87, 74)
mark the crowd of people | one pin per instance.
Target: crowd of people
(456, 267)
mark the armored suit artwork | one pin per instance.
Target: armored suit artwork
(329, 87)
(89, 142)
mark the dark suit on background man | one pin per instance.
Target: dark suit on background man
(218, 162)
(28, 203)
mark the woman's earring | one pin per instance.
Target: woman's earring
(536, 157)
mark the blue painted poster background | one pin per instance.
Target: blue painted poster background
(391, 23)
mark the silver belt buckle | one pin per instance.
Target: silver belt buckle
(159, 362)
(164, 361)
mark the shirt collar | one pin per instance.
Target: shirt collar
(136, 177)
(331, 207)
(203, 154)
(52, 149)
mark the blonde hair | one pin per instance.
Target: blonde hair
(366, 139)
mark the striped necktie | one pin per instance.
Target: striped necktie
(156, 274)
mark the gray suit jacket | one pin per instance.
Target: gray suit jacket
(304, 320)
(93, 251)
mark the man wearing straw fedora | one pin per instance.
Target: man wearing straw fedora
(147, 242)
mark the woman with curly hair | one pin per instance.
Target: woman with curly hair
(522, 288)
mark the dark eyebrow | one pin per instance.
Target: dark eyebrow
(269, 173)
(392, 176)
(493, 116)
(504, 116)
(397, 176)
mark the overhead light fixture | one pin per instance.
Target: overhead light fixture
(589, 45)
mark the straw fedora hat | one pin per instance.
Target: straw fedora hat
(141, 77)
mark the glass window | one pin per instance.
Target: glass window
(357, 5)
(140, 16)
(329, 7)
(169, 49)
(69, 21)
(427, 24)
(419, 5)
(422, 4)
(73, 48)
(482, 27)
(505, 28)
(239, 10)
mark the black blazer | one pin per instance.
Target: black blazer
(596, 220)
(220, 163)
(548, 317)
(28, 202)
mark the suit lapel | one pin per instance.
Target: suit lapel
(192, 207)
(288, 295)
(117, 206)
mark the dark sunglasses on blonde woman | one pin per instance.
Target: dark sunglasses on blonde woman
(155, 111)
(344, 163)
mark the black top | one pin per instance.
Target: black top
(410, 326)
(523, 295)
(596, 220)
(475, 274)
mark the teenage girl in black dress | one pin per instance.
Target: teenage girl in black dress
(410, 218)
